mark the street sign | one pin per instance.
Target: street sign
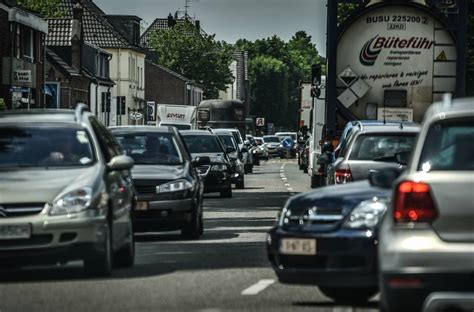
(260, 122)
(360, 88)
(395, 114)
(287, 143)
(136, 116)
(347, 98)
(18, 89)
(347, 76)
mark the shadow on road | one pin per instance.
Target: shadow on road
(318, 304)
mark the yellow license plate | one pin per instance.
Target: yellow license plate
(141, 206)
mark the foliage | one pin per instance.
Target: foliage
(48, 8)
(289, 61)
(3, 105)
(198, 56)
(344, 10)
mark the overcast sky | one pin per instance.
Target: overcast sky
(234, 19)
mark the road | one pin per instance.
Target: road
(226, 270)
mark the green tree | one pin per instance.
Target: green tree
(198, 56)
(48, 8)
(344, 10)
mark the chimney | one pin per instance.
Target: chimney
(77, 36)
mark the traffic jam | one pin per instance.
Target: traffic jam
(365, 203)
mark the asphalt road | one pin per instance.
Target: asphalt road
(226, 270)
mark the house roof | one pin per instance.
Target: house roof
(97, 30)
(173, 73)
(61, 64)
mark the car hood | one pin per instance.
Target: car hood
(215, 157)
(339, 199)
(43, 185)
(159, 172)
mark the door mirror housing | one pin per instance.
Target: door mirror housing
(201, 161)
(384, 178)
(121, 162)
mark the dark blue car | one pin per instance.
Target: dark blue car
(328, 238)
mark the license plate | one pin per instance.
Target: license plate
(141, 206)
(15, 231)
(306, 247)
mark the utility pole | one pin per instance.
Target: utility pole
(461, 42)
(331, 71)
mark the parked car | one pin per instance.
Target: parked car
(65, 191)
(238, 172)
(216, 174)
(370, 147)
(272, 143)
(169, 189)
(329, 238)
(246, 157)
(427, 237)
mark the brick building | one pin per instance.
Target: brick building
(22, 34)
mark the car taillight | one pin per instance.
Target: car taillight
(413, 203)
(343, 176)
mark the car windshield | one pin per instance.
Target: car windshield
(202, 144)
(237, 137)
(271, 139)
(380, 146)
(44, 145)
(177, 126)
(449, 145)
(227, 140)
(150, 148)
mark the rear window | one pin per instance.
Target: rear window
(202, 144)
(449, 145)
(380, 146)
(227, 140)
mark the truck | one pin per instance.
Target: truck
(183, 117)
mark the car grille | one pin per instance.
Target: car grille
(204, 169)
(145, 189)
(43, 239)
(317, 216)
(20, 210)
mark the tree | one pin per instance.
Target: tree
(48, 8)
(198, 56)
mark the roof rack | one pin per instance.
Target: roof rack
(80, 109)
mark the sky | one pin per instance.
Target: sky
(234, 19)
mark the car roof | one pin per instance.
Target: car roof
(225, 130)
(196, 132)
(38, 115)
(390, 127)
(227, 133)
(449, 107)
(141, 129)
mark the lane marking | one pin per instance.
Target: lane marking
(258, 287)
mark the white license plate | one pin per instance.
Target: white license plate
(15, 231)
(305, 247)
(141, 206)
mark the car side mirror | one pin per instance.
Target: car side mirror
(121, 162)
(325, 159)
(403, 157)
(247, 142)
(384, 178)
(244, 150)
(230, 150)
(201, 161)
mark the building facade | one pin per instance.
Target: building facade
(22, 53)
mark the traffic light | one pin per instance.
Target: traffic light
(315, 80)
(121, 108)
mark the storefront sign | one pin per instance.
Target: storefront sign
(22, 76)
(395, 114)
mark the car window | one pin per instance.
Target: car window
(374, 146)
(150, 148)
(202, 144)
(271, 139)
(227, 140)
(45, 145)
(449, 145)
(108, 144)
(237, 137)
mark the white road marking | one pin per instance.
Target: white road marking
(258, 287)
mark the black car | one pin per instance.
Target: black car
(329, 238)
(217, 174)
(238, 171)
(168, 187)
(65, 191)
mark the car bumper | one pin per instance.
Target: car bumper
(55, 239)
(217, 181)
(237, 177)
(164, 215)
(343, 258)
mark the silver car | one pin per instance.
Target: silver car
(427, 236)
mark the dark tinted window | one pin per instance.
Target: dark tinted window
(202, 144)
(449, 145)
(44, 146)
(227, 140)
(150, 148)
(374, 146)
(271, 139)
(108, 145)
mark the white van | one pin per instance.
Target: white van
(182, 117)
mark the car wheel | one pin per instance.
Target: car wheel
(126, 256)
(349, 295)
(227, 193)
(193, 230)
(240, 184)
(100, 264)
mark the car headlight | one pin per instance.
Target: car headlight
(366, 215)
(174, 186)
(221, 167)
(72, 202)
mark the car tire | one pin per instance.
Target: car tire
(349, 295)
(240, 184)
(227, 193)
(193, 230)
(125, 257)
(100, 264)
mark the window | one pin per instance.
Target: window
(108, 144)
(27, 44)
(381, 146)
